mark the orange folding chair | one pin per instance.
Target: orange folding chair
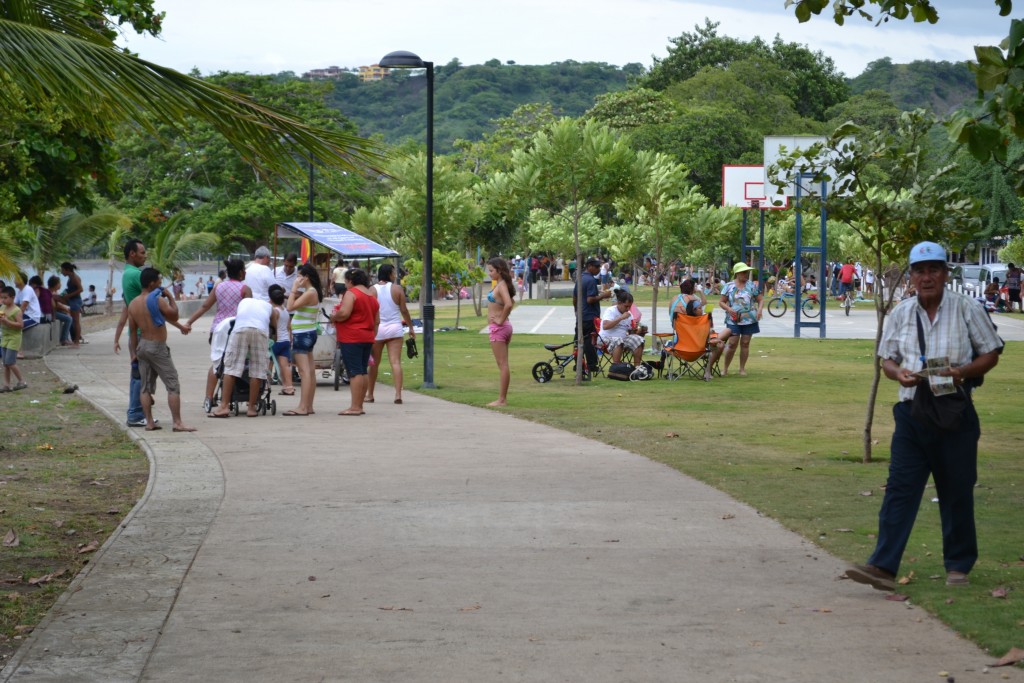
(688, 354)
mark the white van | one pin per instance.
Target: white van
(975, 278)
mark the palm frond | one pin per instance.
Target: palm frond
(10, 252)
(102, 86)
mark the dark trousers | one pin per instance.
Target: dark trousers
(951, 457)
(589, 352)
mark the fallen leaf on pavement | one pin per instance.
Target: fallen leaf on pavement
(1012, 657)
(11, 539)
(395, 609)
(728, 515)
(47, 578)
(471, 608)
(896, 597)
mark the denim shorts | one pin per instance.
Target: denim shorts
(303, 342)
(10, 356)
(356, 357)
(283, 348)
(743, 330)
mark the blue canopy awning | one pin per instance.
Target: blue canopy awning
(336, 238)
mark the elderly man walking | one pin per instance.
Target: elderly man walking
(259, 276)
(951, 338)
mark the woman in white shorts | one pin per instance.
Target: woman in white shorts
(393, 311)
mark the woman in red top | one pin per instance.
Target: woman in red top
(356, 318)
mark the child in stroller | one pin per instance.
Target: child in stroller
(240, 386)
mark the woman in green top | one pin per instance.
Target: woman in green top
(304, 305)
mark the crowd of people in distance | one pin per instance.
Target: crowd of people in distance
(28, 303)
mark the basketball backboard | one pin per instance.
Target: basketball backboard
(773, 151)
(743, 186)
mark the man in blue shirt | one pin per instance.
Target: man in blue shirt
(592, 297)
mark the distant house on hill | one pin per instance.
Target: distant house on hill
(330, 73)
(375, 72)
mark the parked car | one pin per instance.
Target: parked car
(974, 277)
(966, 274)
(991, 271)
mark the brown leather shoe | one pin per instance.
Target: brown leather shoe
(869, 574)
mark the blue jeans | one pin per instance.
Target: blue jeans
(65, 326)
(135, 401)
(951, 458)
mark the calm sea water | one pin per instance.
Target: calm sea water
(92, 273)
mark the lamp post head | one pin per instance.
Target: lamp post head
(402, 59)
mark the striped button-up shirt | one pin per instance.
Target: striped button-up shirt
(961, 329)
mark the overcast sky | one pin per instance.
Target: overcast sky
(269, 36)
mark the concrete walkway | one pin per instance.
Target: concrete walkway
(429, 542)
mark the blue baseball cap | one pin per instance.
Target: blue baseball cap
(927, 251)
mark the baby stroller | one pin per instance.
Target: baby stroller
(240, 392)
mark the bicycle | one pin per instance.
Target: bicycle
(810, 307)
(544, 371)
(777, 305)
(847, 300)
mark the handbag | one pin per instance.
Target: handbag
(410, 348)
(946, 412)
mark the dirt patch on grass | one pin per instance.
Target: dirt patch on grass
(68, 476)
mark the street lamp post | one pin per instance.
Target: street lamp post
(408, 60)
(310, 190)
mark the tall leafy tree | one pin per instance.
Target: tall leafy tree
(656, 217)
(399, 218)
(999, 73)
(570, 168)
(885, 193)
(198, 171)
(626, 110)
(813, 83)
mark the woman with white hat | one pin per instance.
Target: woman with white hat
(743, 303)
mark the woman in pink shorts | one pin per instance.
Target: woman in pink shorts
(499, 306)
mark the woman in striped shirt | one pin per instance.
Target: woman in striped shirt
(304, 305)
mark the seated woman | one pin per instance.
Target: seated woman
(616, 322)
(691, 300)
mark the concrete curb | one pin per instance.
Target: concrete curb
(140, 567)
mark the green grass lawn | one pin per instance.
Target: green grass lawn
(787, 440)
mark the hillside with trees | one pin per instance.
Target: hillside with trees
(467, 99)
(938, 86)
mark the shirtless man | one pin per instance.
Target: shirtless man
(148, 316)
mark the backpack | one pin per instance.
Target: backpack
(624, 372)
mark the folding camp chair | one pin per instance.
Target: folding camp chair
(604, 354)
(690, 351)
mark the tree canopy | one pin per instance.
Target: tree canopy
(812, 82)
